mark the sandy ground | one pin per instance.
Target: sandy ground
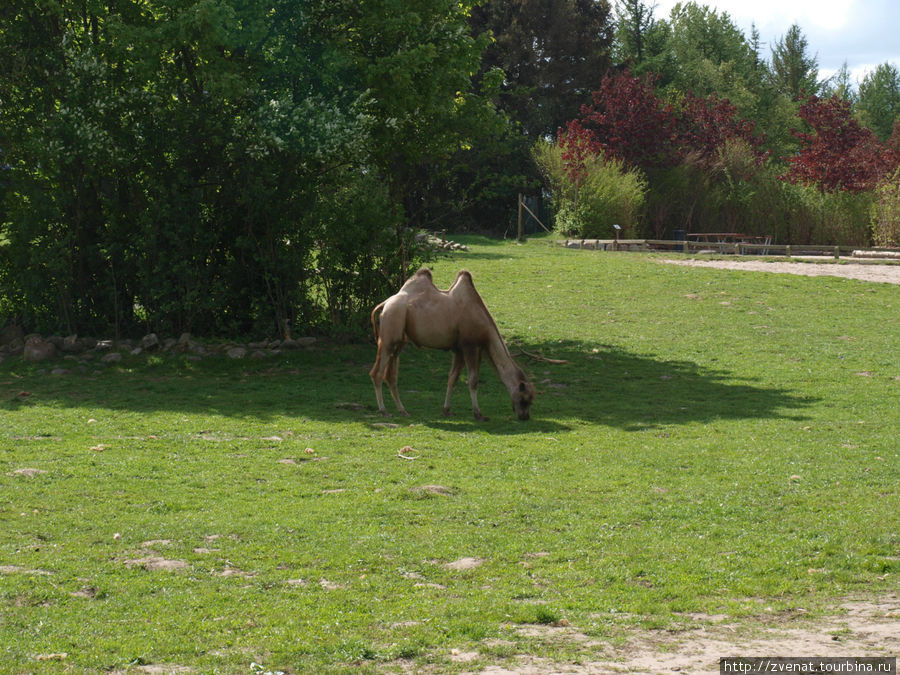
(859, 628)
(888, 274)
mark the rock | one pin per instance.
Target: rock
(258, 354)
(305, 341)
(72, 345)
(112, 357)
(103, 345)
(15, 346)
(136, 351)
(168, 344)
(10, 333)
(55, 340)
(36, 349)
(150, 342)
(60, 371)
(236, 352)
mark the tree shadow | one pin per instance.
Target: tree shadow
(604, 385)
(608, 385)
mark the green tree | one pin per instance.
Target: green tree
(879, 99)
(794, 72)
(179, 164)
(840, 85)
(640, 38)
(712, 55)
(553, 54)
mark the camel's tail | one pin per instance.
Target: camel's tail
(375, 311)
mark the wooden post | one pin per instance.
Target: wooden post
(787, 250)
(837, 252)
(521, 221)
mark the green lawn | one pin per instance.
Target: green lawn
(718, 441)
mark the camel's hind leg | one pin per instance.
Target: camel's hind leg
(385, 368)
(392, 372)
(455, 370)
(377, 375)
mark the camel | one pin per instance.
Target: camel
(455, 320)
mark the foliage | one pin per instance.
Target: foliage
(641, 39)
(589, 199)
(839, 154)
(628, 121)
(879, 100)
(550, 51)
(719, 415)
(794, 72)
(711, 55)
(173, 162)
(886, 212)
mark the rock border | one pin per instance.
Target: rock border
(35, 348)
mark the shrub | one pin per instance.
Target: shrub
(885, 214)
(604, 193)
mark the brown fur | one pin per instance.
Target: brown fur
(455, 320)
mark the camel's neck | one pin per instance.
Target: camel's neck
(510, 373)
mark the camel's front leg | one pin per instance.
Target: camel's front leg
(455, 370)
(473, 361)
(392, 372)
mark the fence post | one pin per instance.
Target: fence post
(521, 230)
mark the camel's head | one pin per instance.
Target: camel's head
(522, 398)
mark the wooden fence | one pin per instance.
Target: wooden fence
(736, 248)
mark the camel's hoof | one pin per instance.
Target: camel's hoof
(447, 413)
(404, 413)
(482, 418)
(384, 413)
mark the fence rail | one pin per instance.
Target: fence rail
(736, 248)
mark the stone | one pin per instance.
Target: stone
(112, 357)
(305, 341)
(72, 345)
(37, 349)
(10, 333)
(15, 346)
(150, 342)
(236, 352)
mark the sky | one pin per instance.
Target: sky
(864, 33)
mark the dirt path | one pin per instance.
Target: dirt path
(861, 628)
(888, 274)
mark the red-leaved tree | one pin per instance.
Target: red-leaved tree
(707, 124)
(628, 120)
(839, 154)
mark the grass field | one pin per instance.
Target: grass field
(719, 442)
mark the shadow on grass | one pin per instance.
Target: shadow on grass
(602, 385)
(608, 385)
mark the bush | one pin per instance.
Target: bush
(606, 193)
(885, 214)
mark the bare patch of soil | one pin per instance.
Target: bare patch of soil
(859, 628)
(888, 274)
(155, 562)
